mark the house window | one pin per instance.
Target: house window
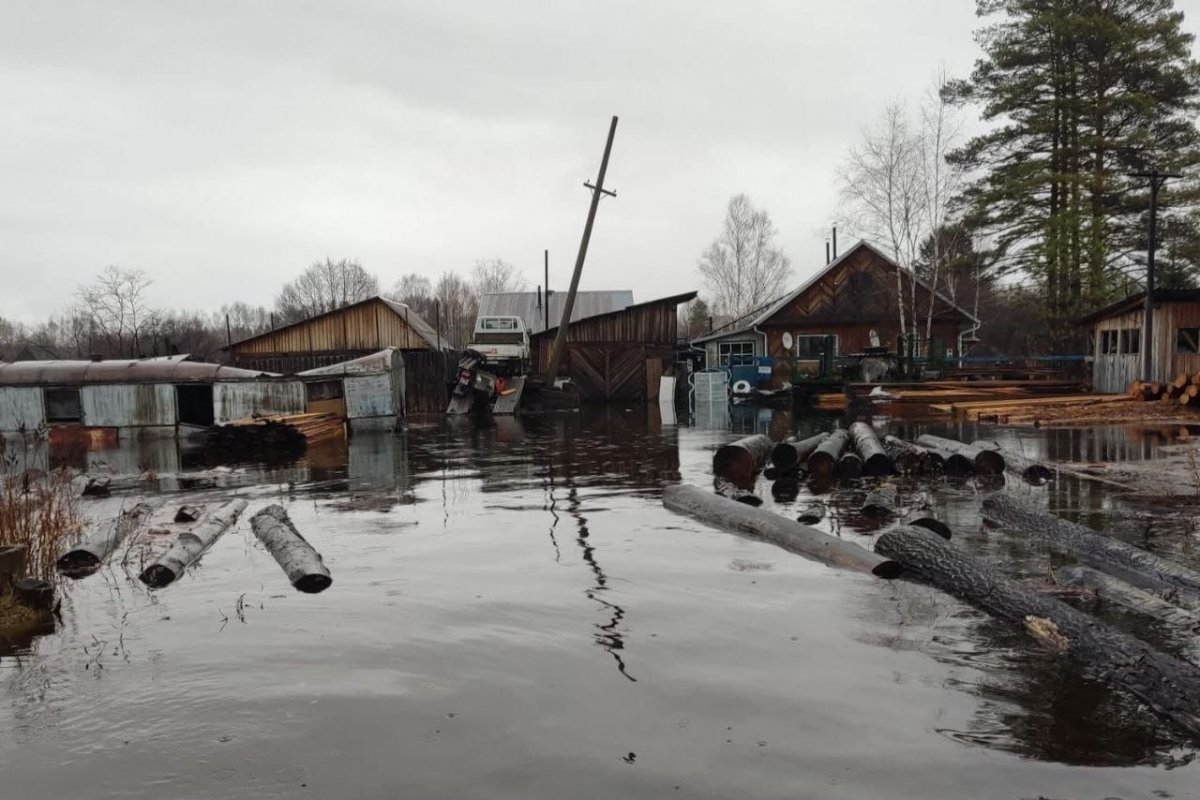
(1108, 343)
(810, 347)
(1130, 339)
(62, 405)
(728, 352)
(1187, 340)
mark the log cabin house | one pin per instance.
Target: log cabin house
(1117, 331)
(853, 299)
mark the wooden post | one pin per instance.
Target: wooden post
(560, 338)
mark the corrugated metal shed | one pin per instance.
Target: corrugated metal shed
(239, 400)
(525, 306)
(21, 408)
(171, 369)
(127, 405)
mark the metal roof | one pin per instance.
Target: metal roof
(673, 300)
(1137, 302)
(167, 369)
(525, 306)
(382, 361)
(774, 307)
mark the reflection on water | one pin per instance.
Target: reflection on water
(514, 614)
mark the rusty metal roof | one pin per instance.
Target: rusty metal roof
(525, 306)
(167, 369)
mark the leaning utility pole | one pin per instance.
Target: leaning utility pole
(560, 339)
(1157, 179)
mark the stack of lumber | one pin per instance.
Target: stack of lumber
(310, 426)
(1025, 408)
(278, 438)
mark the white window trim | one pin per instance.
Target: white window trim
(727, 343)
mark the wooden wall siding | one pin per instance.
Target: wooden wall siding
(1114, 373)
(861, 290)
(364, 328)
(425, 375)
(853, 338)
(652, 323)
(611, 372)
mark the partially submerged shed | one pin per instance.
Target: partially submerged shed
(368, 392)
(619, 355)
(1117, 339)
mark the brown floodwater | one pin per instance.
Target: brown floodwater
(515, 615)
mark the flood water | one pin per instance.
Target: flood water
(515, 615)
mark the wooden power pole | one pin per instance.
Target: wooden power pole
(560, 339)
(1157, 179)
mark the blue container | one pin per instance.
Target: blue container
(755, 370)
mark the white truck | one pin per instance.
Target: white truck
(503, 342)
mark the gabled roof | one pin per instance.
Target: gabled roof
(673, 300)
(166, 369)
(408, 314)
(525, 305)
(764, 313)
(1135, 302)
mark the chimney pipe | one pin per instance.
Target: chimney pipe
(539, 305)
(827, 259)
(835, 242)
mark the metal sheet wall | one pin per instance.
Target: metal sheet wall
(239, 400)
(369, 396)
(21, 408)
(128, 405)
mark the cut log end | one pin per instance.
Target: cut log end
(156, 576)
(931, 524)
(78, 564)
(313, 584)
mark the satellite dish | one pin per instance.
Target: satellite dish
(874, 336)
(787, 341)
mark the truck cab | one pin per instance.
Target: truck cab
(503, 342)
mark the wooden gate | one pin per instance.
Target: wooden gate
(604, 372)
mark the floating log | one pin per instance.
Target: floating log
(188, 513)
(768, 526)
(988, 462)
(739, 461)
(90, 554)
(1127, 596)
(792, 453)
(954, 465)
(191, 545)
(34, 594)
(880, 502)
(1034, 472)
(785, 490)
(300, 561)
(849, 466)
(12, 565)
(1131, 564)
(824, 458)
(1168, 685)
(931, 524)
(875, 460)
(907, 459)
(98, 486)
(736, 493)
(812, 513)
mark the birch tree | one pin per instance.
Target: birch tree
(743, 268)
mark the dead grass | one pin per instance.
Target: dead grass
(39, 510)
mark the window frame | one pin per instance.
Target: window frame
(60, 418)
(796, 337)
(1194, 335)
(725, 352)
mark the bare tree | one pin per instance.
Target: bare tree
(457, 306)
(883, 191)
(942, 180)
(239, 320)
(743, 268)
(492, 275)
(416, 292)
(118, 309)
(325, 286)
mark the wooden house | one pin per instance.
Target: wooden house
(352, 332)
(1117, 333)
(619, 355)
(853, 299)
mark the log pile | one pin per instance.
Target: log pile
(254, 440)
(1184, 390)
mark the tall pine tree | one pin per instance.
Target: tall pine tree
(1081, 93)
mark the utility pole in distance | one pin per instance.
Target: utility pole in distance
(1157, 179)
(598, 190)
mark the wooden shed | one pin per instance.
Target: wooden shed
(355, 331)
(1117, 334)
(619, 355)
(853, 299)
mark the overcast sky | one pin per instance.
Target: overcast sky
(224, 146)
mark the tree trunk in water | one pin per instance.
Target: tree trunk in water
(789, 455)
(1168, 685)
(770, 527)
(34, 594)
(907, 458)
(1032, 472)
(881, 502)
(986, 462)
(91, 553)
(191, 545)
(300, 561)
(812, 513)
(875, 460)
(931, 524)
(739, 461)
(1131, 564)
(733, 492)
(824, 459)
(1128, 596)
(849, 466)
